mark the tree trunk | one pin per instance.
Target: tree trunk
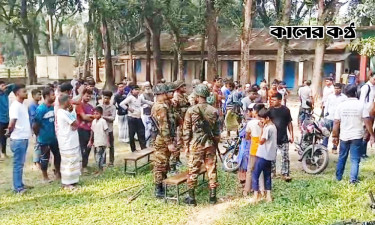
(50, 27)
(245, 42)
(319, 55)
(109, 79)
(148, 55)
(28, 44)
(132, 72)
(158, 72)
(95, 66)
(180, 60)
(212, 39)
(86, 70)
(280, 60)
(175, 65)
(201, 65)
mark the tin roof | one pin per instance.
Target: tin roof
(229, 41)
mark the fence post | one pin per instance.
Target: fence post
(24, 71)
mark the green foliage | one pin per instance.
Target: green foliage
(363, 46)
(361, 12)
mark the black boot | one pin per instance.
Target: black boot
(159, 191)
(190, 199)
(213, 198)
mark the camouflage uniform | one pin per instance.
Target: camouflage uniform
(181, 104)
(192, 97)
(159, 111)
(200, 147)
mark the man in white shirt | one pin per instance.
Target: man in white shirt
(367, 98)
(20, 132)
(307, 101)
(348, 127)
(134, 106)
(327, 91)
(329, 111)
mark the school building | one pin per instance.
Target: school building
(299, 58)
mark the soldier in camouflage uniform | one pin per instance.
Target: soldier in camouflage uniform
(172, 118)
(192, 97)
(181, 104)
(200, 141)
(164, 142)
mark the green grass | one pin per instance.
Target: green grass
(308, 199)
(318, 199)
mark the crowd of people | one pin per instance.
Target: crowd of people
(75, 117)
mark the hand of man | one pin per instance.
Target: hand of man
(89, 145)
(335, 141)
(131, 110)
(372, 140)
(291, 140)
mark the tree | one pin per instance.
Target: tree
(326, 13)
(245, 40)
(280, 60)
(212, 39)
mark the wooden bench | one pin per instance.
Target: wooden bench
(179, 179)
(135, 156)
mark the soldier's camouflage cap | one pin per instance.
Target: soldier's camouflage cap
(160, 89)
(202, 90)
(171, 86)
(179, 83)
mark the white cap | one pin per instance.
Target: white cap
(247, 85)
(205, 82)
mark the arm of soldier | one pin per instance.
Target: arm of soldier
(216, 128)
(187, 130)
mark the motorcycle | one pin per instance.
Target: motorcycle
(230, 159)
(314, 156)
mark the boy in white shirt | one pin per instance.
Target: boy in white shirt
(99, 137)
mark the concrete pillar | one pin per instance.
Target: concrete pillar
(235, 70)
(267, 71)
(362, 68)
(300, 73)
(339, 66)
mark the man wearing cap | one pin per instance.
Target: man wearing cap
(181, 104)
(281, 88)
(192, 97)
(329, 111)
(200, 145)
(133, 103)
(163, 142)
(172, 119)
(327, 91)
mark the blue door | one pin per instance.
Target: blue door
(259, 71)
(329, 68)
(289, 74)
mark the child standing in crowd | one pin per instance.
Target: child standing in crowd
(99, 137)
(37, 96)
(264, 156)
(109, 114)
(253, 132)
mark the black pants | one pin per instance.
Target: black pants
(46, 152)
(111, 148)
(136, 126)
(84, 138)
(3, 138)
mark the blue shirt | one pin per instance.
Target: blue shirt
(4, 104)
(45, 117)
(32, 111)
